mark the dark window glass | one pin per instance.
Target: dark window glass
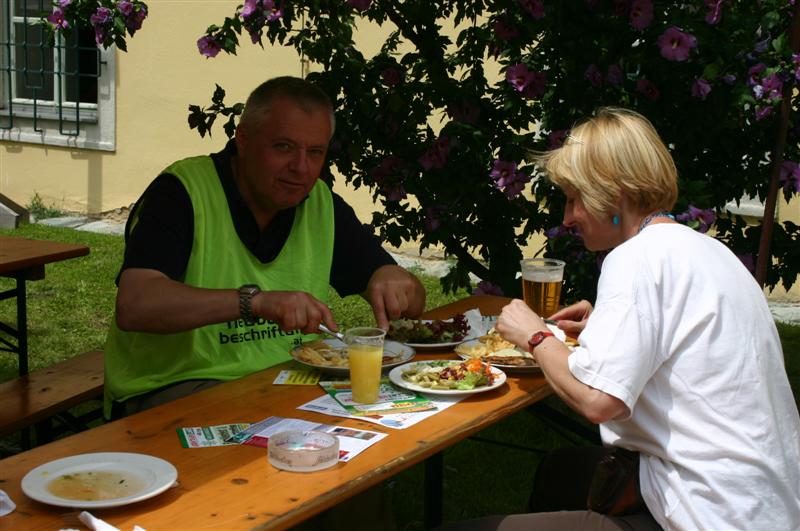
(82, 67)
(34, 63)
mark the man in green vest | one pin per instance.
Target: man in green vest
(229, 257)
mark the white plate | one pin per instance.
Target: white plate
(436, 345)
(154, 473)
(505, 367)
(396, 376)
(400, 354)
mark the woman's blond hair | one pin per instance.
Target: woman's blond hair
(615, 152)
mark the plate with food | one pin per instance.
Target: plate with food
(448, 377)
(429, 333)
(330, 355)
(99, 480)
(492, 348)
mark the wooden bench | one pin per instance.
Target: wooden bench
(38, 397)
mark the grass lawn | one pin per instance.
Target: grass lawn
(69, 313)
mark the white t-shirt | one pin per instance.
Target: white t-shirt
(682, 334)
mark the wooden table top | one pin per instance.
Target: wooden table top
(234, 487)
(19, 254)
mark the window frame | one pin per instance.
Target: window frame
(97, 122)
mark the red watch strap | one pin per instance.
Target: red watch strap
(537, 338)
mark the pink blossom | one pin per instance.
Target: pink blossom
(507, 178)
(208, 46)
(675, 44)
(614, 74)
(698, 218)
(436, 155)
(641, 14)
(58, 19)
(535, 8)
(647, 89)
(701, 88)
(249, 7)
(556, 139)
(763, 111)
(519, 76)
(359, 5)
(714, 14)
(536, 86)
(504, 30)
(790, 177)
(391, 77)
(593, 75)
(485, 287)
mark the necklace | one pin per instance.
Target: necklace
(649, 219)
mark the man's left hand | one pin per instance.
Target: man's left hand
(393, 292)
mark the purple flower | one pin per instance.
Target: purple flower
(359, 5)
(763, 112)
(64, 3)
(675, 44)
(519, 76)
(790, 177)
(432, 217)
(485, 287)
(753, 74)
(614, 74)
(701, 89)
(699, 219)
(772, 86)
(593, 75)
(249, 7)
(388, 175)
(729, 79)
(58, 19)
(436, 156)
(536, 86)
(647, 89)
(748, 261)
(714, 14)
(556, 232)
(125, 7)
(391, 77)
(641, 14)
(556, 139)
(208, 46)
(504, 30)
(507, 178)
(464, 112)
(535, 8)
(101, 17)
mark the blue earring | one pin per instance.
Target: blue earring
(615, 219)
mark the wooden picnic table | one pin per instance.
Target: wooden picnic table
(23, 259)
(234, 487)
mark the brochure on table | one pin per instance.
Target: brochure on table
(352, 441)
(327, 405)
(391, 399)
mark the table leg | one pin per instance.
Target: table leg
(22, 327)
(434, 490)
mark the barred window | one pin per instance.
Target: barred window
(59, 93)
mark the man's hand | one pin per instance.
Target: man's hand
(393, 292)
(572, 319)
(293, 310)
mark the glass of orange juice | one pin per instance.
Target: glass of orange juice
(365, 355)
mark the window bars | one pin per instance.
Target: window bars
(44, 81)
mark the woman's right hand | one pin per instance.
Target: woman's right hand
(572, 319)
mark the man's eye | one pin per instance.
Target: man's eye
(282, 147)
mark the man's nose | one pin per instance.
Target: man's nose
(300, 161)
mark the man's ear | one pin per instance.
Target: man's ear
(241, 140)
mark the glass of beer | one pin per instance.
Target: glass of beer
(365, 356)
(541, 284)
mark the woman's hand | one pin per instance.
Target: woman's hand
(517, 323)
(572, 319)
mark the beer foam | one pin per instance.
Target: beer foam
(542, 276)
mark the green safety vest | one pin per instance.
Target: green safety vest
(138, 362)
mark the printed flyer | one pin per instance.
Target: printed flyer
(391, 399)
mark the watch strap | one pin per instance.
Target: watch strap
(246, 294)
(537, 338)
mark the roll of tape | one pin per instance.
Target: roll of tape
(303, 451)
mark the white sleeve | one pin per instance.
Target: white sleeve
(618, 351)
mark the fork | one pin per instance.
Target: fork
(337, 335)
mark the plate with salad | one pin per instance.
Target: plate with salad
(448, 377)
(430, 333)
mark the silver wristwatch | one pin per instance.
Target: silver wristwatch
(246, 294)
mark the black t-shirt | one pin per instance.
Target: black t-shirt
(162, 236)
